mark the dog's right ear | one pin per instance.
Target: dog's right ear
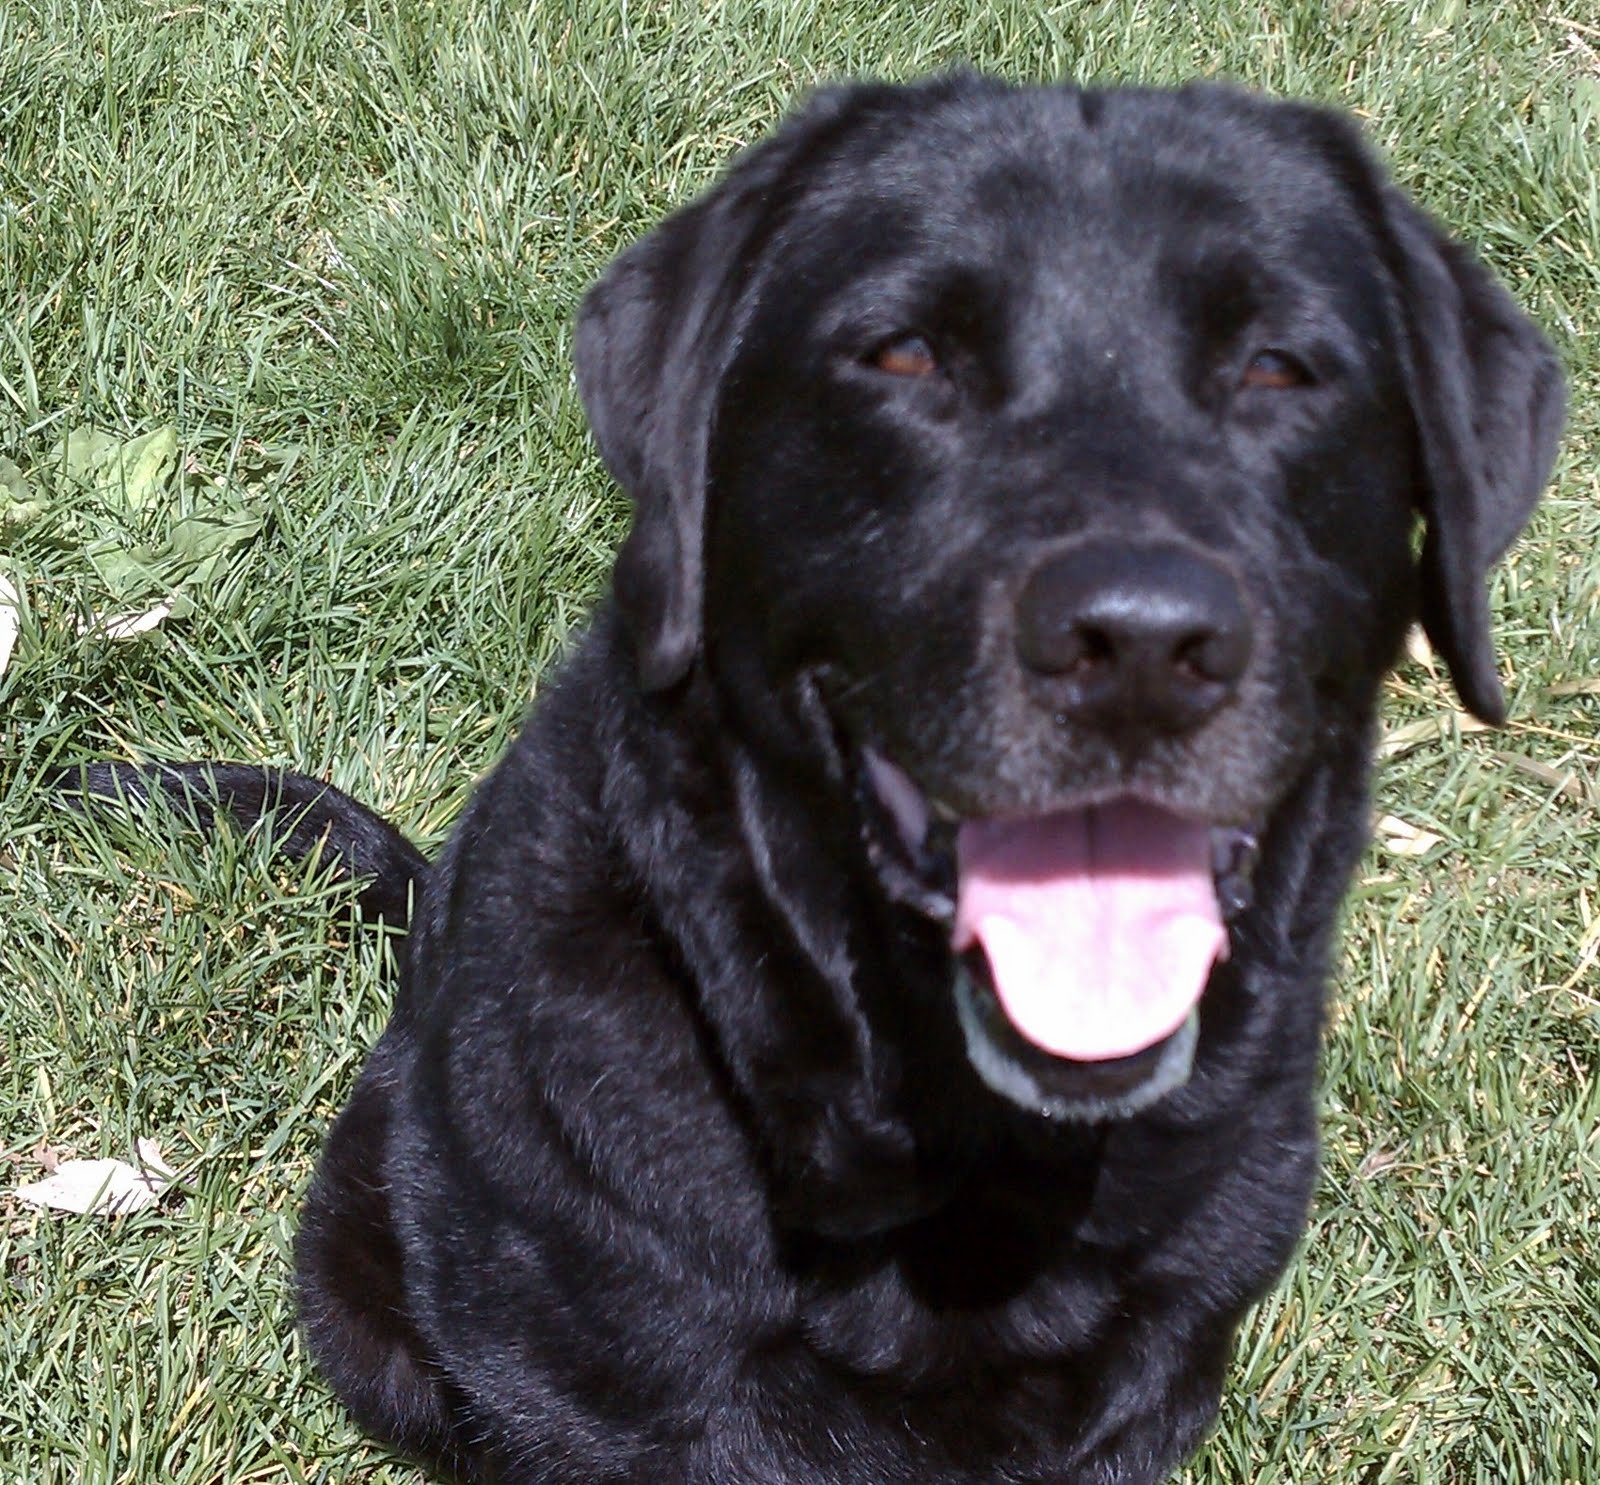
(654, 340)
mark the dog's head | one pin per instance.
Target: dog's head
(1040, 469)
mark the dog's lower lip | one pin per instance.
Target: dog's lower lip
(1061, 1088)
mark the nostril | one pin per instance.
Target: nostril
(1080, 651)
(1190, 660)
(1213, 655)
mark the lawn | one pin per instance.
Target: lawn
(336, 249)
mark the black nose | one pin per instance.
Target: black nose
(1137, 636)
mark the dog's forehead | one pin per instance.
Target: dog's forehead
(1028, 173)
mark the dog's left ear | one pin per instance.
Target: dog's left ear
(1487, 394)
(654, 340)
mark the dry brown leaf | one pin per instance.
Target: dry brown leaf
(1398, 740)
(103, 1188)
(10, 619)
(1564, 781)
(1400, 838)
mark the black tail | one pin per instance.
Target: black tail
(303, 814)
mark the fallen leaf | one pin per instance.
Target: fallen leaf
(1584, 956)
(1418, 650)
(1401, 838)
(1564, 781)
(102, 1188)
(1398, 740)
(1376, 1162)
(10, 619)
(126, 626)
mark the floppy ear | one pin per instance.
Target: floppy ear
(654, 339)
(1487, 394)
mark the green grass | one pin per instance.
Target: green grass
(339, 247)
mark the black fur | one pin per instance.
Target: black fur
(671, 1165)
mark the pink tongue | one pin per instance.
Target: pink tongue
(1100, 925)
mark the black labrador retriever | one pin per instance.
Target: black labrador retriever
(865, 1029)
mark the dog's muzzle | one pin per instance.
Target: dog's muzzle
(1081, 939)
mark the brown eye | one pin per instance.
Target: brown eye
(1274, 371)
(905, 355)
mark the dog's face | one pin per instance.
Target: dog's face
(1040, 470)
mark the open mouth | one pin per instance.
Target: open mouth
(1082, 939)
